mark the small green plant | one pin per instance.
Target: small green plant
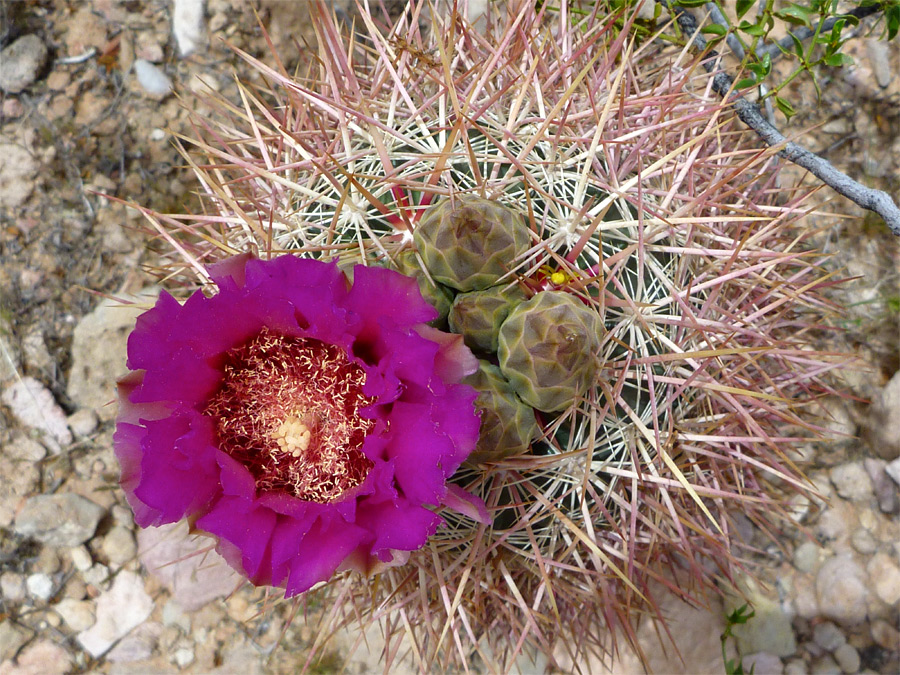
(816, 34)
(739, 616)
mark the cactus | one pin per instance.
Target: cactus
(547, 349)
(434, 294)
(477, 315)
(507, 424)
(468, 242)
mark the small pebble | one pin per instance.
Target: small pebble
(863, 542)
(879, 54)
(40, 586)
(81, 558)
(841, 590)
(828, 636)
(824, 665)
(12, 586)
(78, 614)
(807, 556)
(184, 657)
(153, 80)
(847, 658)
(796, 667)
(852, 481)
(83, 423)
(21, 62)
(763, 663)
(884, 578)
(885, 635)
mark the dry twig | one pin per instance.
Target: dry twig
(749, 113)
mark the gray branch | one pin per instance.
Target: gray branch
(749, 113)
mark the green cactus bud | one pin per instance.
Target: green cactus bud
(478, 315)
(468, 243)
(547, 349)
(507, 424)
(434, 294)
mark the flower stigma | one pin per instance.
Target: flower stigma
(288, 410)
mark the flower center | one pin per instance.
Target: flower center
(288, 410)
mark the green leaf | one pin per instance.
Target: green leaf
(743, 6)
(753, 29)
(786, 108)
(796, 14)
(892, 15)
(798, 47)
(714, 29)
(746, 82)
(838, 60)
(691, 3)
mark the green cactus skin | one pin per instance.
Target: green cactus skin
(478, 315)
(547, 349)
(507, 425)
(468, 243)
(433, 293)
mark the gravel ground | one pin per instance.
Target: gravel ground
(82, 590)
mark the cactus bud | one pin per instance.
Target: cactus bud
(478, 315)
(433, 293)
(468, 242)
(547, 349)
(507, 424)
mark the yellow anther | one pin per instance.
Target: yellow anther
(292, 436)
(558, 278)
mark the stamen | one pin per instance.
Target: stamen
(288, 410)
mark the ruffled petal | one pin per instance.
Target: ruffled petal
(178, 474)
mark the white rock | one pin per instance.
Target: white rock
(852, 481)
(33, 405)
(807, 556)
(97, 576)
(122, 608)
(828, 636)
(892, 469)
(879, 54)
(12, 637)
(762, 663)
(884, 576)
(21, 63)
(841, 590)
(64, 519)
(883, 423)
(40, 586)
(825, 665)
(119, 546)
(24, 448)
(42, 658)
(81, 558)
(152, 79)
(847, 658)
(83, 423)
(863, 542)
(12, 586)
(188, 25)
(170, 553)
(78, 614)
(795, 667)
(184, 657)
(138, 646)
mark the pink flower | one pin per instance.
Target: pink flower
(308, 425)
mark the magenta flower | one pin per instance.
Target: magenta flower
(310, 426)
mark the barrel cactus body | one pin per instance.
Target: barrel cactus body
(468, 242)
(507, 425)
(478, 315)
(547, 349)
